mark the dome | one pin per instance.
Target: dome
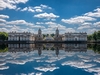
(49, 38)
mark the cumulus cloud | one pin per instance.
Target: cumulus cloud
(39, 73)
(19, 22)
(2, 21)
(45, 6)
(2, 24)
(97, 24)
(4, 67)
(70, 30)
(46, 15)
(3, 16)
(37, 26)
(4, 30)
(95, 70)
(83, 27)
(97, 60)
(45, 69)
(39, 23)
(10, 4)
(96, 13)
(36, 8)
(78, 20)
(78, 64)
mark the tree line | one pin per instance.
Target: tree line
(95, 36)
(3, 36)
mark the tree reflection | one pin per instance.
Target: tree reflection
(94, 47)
(3, 48)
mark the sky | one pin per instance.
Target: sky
(66, 15)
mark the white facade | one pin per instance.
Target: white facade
(25, 36)
(75, 37)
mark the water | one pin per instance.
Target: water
(50, 59)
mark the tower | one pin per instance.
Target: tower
(57, 32)
(39, 36)
(39, 32)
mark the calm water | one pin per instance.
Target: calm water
(50, 59)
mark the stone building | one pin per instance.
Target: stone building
(24, 36)
(27, 36)
(39, 36)
(75, 36)
(57, 36)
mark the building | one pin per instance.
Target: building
(27, 36)
(24, 36)
(57, 36)
(75, 36)
(39, 36)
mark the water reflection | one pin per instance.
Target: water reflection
(49, 59)
(48, 46)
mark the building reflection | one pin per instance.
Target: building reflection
(47, 46)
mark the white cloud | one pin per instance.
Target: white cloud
(78, 20)
(86, 23)
(37, 26)
(46, 15)
(31, 73)
(18, 8)
(19, 22)
(78, 64)
(36, 8)
(45, 69)
(4, 67)
(2, 63)
(39, 23)
(2, 24)
(50, 23)
(97, 24)
(97, 60)
(3, 29)
(31, 9)
(10, 4)
(38, 73)
(70, 30)
(96, 13)
(45, 6)
(84, 27)
(39, 10)
(2, 21)
(24, 9)
(54, 25)
(3, 16)
(96, 70)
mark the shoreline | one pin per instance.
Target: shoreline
(30, 42)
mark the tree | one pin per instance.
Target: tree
(52, 35)
(3, 36)
(98, 35)
(89, 37)
(95, 35)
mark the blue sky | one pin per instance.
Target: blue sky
(67, 15)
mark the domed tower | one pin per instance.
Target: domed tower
(39, 32)
(39, 36)
(57, 32)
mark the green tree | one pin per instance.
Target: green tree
(98, 35)
(89, 37)
(3, 36)
(95, 35)
(52, 35)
